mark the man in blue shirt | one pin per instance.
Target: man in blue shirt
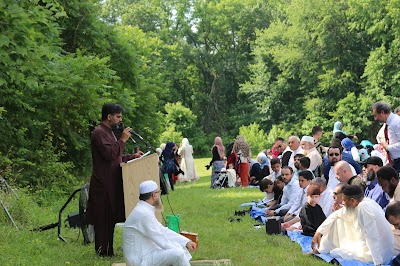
(374, 190)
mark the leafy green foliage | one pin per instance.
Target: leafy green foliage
(255, 137)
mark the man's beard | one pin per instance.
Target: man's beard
(371, 175)
(297, 165)
(391, 191)
(332, 163)
(158, 205)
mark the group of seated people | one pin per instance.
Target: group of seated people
(344, 210)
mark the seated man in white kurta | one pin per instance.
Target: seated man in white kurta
(146, 242)
(357, 231)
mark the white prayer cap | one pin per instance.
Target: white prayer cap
(148, 186)
(307, 139)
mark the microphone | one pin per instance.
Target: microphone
(133, 132)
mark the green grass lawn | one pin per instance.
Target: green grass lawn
(202, 210)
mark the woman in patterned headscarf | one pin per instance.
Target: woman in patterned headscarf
(242, 148)
(217, 161)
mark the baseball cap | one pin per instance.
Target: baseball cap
(374, 160)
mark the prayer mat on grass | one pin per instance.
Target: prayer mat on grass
(305, 243)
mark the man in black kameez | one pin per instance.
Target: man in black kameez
(106, 198)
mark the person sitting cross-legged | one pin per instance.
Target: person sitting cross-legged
(291, 194)
(311, 215)
(358, 231)
(146, 241)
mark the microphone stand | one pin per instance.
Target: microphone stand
(148, 146)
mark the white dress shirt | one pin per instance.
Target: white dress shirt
(326, 201)
(303, 199)
(393, 123)
(333, 181)
(144, 236)
(291, 195)
(274, 175)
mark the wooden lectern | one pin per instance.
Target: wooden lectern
(135, 172)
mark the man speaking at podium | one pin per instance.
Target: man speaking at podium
(106, 197)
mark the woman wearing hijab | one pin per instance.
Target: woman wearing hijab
(170, 166)
(242, 149)
(217, 160)
(187, 162)
(350, 148)
(339, 133)
(259, 170)
(275, 151)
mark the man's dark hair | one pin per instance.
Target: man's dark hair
(110, 109)
(315, 130)
(275, 161)
(386, 173)
(264, 183)
(393, 209)
(280, 139)
(288, 167)
(336, 143)
(305, 162)
(145, 196)
(306, 175)
(381, 107)
(299, 155)
(279, 177)
(335, 147)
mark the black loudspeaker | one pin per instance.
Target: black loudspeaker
(74, 220)
(273, 225)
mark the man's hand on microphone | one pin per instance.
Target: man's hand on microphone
(126, 134)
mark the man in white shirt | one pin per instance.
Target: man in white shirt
(335, 156)
(307, 143)
(367, 233)
(276, 168)
(146, 241)
(305, 178)
(294, 145)
(326, 197)
(382, 113)
(291, 193)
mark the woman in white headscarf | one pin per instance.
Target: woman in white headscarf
(187, 162)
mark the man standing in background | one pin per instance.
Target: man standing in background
(382, 113)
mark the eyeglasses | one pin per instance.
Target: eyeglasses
(334, 154)
(336, 193)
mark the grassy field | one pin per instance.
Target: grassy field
(202, 210)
